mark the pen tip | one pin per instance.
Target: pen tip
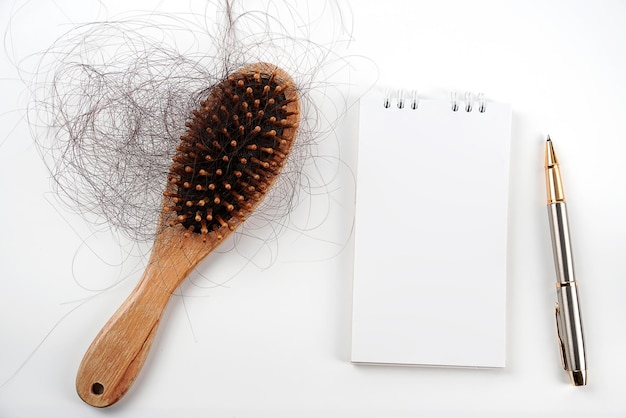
(549, 139)
(551, 159)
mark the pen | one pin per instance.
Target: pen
(568, 319)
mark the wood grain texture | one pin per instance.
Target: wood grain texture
(118, 352)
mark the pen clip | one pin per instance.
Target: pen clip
(557, 317)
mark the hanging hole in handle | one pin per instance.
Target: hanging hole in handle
(97, 388)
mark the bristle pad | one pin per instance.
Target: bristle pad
(233, 149)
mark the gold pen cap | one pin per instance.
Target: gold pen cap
(554, 185)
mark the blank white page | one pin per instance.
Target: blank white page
(430, 237)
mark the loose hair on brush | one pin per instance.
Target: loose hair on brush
(110, 100)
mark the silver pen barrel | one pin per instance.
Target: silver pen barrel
(568, 318)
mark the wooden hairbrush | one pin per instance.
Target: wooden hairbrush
(227, 160)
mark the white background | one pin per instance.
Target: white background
(273, 341)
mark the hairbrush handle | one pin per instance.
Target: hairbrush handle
(118, 352)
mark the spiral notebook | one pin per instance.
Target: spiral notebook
(431, 231)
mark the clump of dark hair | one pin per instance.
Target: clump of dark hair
(110, 100)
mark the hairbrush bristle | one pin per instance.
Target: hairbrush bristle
(233, 149)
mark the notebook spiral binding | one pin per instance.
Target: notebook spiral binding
(469, 99)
